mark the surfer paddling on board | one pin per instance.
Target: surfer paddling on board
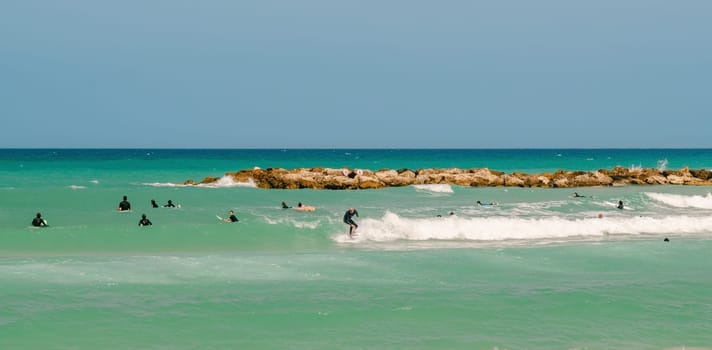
(302, 207)
(349, 221)
(125, 205)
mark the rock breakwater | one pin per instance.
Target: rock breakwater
(351, 179)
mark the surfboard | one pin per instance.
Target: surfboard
(219, 218)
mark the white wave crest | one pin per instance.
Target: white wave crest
(435, 188)
(681, 201)
(224, 182)
(76, 187)
(392, 227)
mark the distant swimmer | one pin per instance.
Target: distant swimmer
(153, 203)
(348, 219)
(169, 204)
(576, 195)
(485, 204)
(231, 217)
(302, 207)
(124, 205)
(38, 221)
(620, 205)
(666, 240)
(144, 221)
(285, 206)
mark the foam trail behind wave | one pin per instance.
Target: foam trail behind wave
(681, 201)
(392, 227)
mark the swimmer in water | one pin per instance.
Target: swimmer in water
(144, 221)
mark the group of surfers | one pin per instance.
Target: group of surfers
(125, 205)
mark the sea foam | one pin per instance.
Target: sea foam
(435, 188)
(392, 227)
(682, 201)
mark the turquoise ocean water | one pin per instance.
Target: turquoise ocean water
(540, 270)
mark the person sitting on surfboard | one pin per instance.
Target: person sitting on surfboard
(349, 221)
(620, 205)
(124, 205)
(285, 206)
(38, 221)
(153, 203)
(232, 217)
(144, 221)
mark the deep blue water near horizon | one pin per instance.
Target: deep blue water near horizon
(540, 270)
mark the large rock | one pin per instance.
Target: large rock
(327, 178)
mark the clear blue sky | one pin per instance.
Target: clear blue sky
(341, 74)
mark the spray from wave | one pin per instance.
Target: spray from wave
(224, 182)
(434, 188)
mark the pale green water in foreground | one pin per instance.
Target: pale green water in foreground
(537, 271)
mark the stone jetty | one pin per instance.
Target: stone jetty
(351, 179)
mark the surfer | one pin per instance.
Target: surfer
(38, 221)
(285, 206)
(576, 195)
(231, 217)
(170, 204)
(349, 221)
(124, 205)
(620, 205)
(153, 203)
(302, 207)
(144, 221)
(484, 204)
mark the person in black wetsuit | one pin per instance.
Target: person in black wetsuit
(620, 205)
(144, 221)
(38, 221)
(285, 206)
(232, 217)
(170, 204)
(153, 203)
(124, 205)
(348, 219)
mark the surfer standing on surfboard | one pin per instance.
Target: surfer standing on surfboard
(349, 221)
